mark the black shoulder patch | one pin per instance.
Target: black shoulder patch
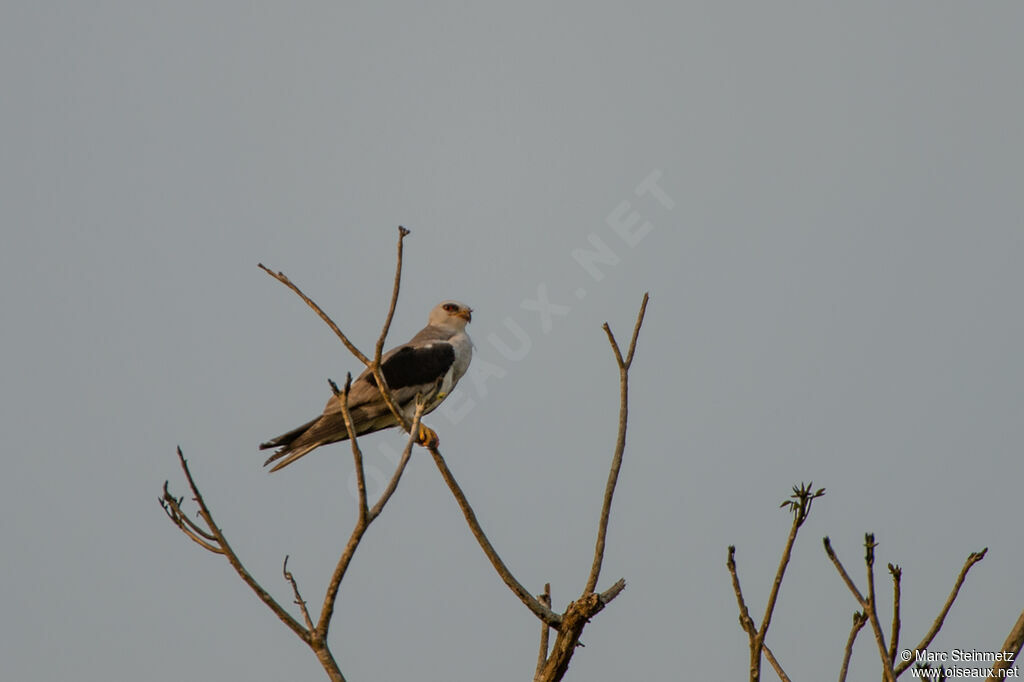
(413, 366)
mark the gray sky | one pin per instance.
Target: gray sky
(835, 280)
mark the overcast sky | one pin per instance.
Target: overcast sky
(834, 253)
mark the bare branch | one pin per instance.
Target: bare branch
(172, 507)
(620, 443)
(1011, 648)
(544, 613)
(236, 563)
(800, 504)
(773, 596)
(894, 636)
(888, 673)
(402, 234)
(802, 498)
(357, 453)
(859, 618)
(774, 663)
(872, 611)
(378, 373)
(331, 595)
(842, 571)
(867, 605)
(636, 329)
(972, 558)
(374, 365)
(295, 590)
(283, 279)
(612, 592)
(542, 655)
(406, 453)
(575, 618)
(746, 622)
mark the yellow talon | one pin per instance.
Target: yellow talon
(427, 437)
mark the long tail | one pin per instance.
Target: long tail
(327, 428)
(290, 450)
(290, 455)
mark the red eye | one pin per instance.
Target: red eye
(451, 307)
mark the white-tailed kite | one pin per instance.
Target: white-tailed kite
(430, 364)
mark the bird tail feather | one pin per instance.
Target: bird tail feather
(289, 449)
(290, 455)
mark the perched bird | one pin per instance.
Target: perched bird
(430, 364)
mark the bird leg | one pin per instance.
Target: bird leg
(427, 437)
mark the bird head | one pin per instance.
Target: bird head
(451, 314)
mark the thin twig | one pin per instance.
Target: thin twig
(876, 625)
(542, 654)
(357, 453)
(170, 502)
(172, 507)
(842, 571)
(283, 279)
(544, 613)
(620, 442)
(402, 234)
(894, 636)
(295, 591)
(378, 373)
(972, 558)
(859, 618)
(773, 596)
(235, 562)
(746, 622)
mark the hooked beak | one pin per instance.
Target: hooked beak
(466, 314)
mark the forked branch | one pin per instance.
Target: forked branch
(799, 504)
(620, 441)
(552, 665)
(579, 612)
(362, 524)
(870, 612)
(867, 605)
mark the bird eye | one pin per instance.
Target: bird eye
(451, 307)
